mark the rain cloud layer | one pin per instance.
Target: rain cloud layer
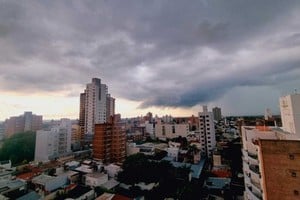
(160, 53)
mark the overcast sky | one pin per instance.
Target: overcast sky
(167, 57)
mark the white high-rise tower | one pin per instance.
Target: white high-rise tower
(207, 131)
(290, 113)
(96, 102)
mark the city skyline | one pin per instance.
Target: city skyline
(167, 59)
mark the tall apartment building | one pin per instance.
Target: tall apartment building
(96, 105)
(109, 141)
(267, 165)
(53, 143)
(217, 113)
(110, 106)
(81, 121)
(271, 159)
(290, 113)
(207, 131)
(22, 123)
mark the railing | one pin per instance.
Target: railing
(254, 195)
(257, 185)
(254, 168)
(254, 156)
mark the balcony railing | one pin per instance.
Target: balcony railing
(257, 185)
(254, 194)
(254, 156)
(254, 168)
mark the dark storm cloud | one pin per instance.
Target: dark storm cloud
(162, 53)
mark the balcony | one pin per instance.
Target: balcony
(254, 156)
(255, 184)
(254, 168)
(252, 194)
(252, 159)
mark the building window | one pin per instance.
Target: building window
(291, 156)
(293, 174)
(173, 129)
(163, 130)
(296, 192)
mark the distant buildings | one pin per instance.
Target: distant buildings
(53, 143)
(109, 141)
(96, 105)
(207, 131)
(217, 113)
(22, 123)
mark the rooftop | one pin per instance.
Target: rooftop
(110, 184)
(78, 191)
(196, 168)
(43, 179)
(217, 183)
(31, 195)
(11, 185)
(96, 175)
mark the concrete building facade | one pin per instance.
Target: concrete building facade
(109, 142)
(217, 113)
(96, 106)
(280, 164)
(170, 130)
(23, 123)
(206, 131)
(53, 143)
(266, 163)
(290, 113)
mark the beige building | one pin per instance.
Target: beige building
(264, 149)
(271, 156)
(96, 107)
(23, 123)
(171, 130)
(290, 113)
(280, 169)
(207, 131)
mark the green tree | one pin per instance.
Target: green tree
(19, 148)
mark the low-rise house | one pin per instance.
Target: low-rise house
(95, 179)
(108, 196)
(81, 193)
(217, 186)
(110, 184)
(30, 196)
(46, 184)
(73, 176)
(12, 186)
(112, 170)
